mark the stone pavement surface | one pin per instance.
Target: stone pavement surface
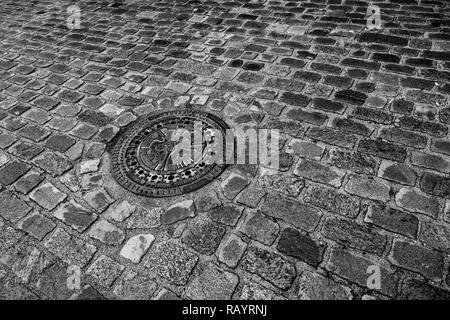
(365, 165)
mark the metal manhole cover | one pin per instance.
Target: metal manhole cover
(142, 161)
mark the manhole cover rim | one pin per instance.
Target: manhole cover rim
(119, 150)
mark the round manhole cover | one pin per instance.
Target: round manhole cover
(146, 157)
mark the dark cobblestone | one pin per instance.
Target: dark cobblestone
(435, 185)
(418, 259)
(363, 119)
(383, 149)
(294, 212)
(295, 244)
(393, 220)
(204, 236)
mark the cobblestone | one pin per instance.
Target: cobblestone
(363, 119)
(270, 266)
(104, 271)
(212, 283)
(70, 249)
(171, 261)
(354, 268)
(313, 286)
(418, 259)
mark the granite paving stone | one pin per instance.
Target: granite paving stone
(362, 178)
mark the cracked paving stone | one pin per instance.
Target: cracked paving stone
(98, 199)
(204, 236)
(212, 283)
(107, 233)
(294, 212)
(47, 196)
(136, 247)
(75, 215)
(270, 266)
(313, 286)
(53, 163)
(261, 229)
(171, 261)
(133, 286)
(231, 251)
(12, 208)
(354, 235)
(104, 271)
(435, 236)
(178, 211)
(70, 249)
(37, 225)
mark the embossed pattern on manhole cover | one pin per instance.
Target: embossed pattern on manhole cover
(143, 161)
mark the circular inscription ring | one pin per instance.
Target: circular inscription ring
(144, 160)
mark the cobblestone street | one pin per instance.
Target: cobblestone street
(364, 176)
